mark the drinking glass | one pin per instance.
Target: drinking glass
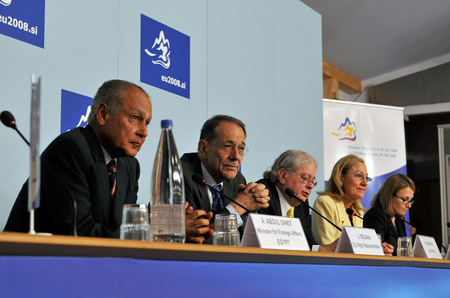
(226, 231)
(135, 224)
(404, 247)
(379, 239)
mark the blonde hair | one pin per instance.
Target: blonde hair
(335, 187)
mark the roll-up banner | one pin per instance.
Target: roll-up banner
(373, 132)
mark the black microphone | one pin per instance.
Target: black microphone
(398, 216)
(291, 193)
(197, 178)
(8, 120)
(351, 212)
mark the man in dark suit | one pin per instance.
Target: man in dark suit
(297, 170)
(221, 149)
(293, 169)
(75, 183)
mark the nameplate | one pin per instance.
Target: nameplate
(426, 247)
(359, 241)
(268, 231)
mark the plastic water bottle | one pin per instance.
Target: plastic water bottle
(167, 219)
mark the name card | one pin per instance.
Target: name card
(268, 231)
(426, 247)
(359, 241)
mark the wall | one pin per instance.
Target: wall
(260, 61)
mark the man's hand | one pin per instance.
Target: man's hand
(252, 196)
(197, 224)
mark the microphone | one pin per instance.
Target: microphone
(291, 193)
(351, 212)
(8, 120)
(398, 216)
(197, 178)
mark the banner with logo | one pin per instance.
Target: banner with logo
(75, 109)
(23, 20)
(165, 57)
(373, 132)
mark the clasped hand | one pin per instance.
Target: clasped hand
(252, 196)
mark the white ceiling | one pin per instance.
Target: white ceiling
(370, 38)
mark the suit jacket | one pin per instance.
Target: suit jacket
(335, 211)
(73, 169)
(376, 219)
(197, 195)
(301, 211)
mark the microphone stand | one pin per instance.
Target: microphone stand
(8, 120)
(290, 192)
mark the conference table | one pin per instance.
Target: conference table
(66, 266)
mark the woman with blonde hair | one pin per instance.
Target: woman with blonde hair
(389, 205)
(345, 189)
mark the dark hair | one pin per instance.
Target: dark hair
(209, 132)
(110, 93)
(390, 187)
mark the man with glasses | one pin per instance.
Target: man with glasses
(293, 169)
(220, 151)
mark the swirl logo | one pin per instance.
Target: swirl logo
(5, 2)
(160, 50)
(346, 131)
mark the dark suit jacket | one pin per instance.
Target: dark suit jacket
(197, 195)
(301, 211)
(376, 219)
(73, 169)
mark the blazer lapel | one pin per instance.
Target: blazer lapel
(204, 199)
(276, 203)
(103, 189)
(102, 173)
(121, 190)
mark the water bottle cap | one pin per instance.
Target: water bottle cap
(167, 123)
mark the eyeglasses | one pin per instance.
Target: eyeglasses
(227, 148)
(360, 177)
(405, 201)
(306, 179)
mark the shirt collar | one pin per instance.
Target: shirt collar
(284, 204)
(107, 156)
(208, 178)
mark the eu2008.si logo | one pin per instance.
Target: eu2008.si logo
(346, 131)
(160, 50)
(5, 2)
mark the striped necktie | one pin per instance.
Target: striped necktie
(112, 178)
(217, 203)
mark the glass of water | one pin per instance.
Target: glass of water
(404, 247)
(226, 230)
(135, 222)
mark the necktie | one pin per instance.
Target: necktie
(217, 203)
(112, 178)
(290, 212)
